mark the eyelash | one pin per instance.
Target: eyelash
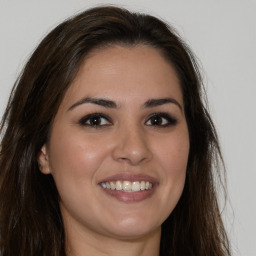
(87, 120)
(168, 119)
(165, 118)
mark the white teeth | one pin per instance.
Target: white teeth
(127, 186)
(142, 185)
(135, 186)
(104, 185)
(112, 185)
(119, 185)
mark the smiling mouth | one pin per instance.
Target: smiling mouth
(127, 186)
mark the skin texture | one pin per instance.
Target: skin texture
(80, 156)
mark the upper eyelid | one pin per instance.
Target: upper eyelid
(106, 116)
(165, 115)
(87, 117)
(162, 114)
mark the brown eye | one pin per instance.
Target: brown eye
(95, 120)
(161, 119)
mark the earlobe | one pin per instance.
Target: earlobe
(43, 161)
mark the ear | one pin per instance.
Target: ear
(43, 161)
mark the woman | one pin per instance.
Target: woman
(107, 147)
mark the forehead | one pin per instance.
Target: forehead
(120, 72)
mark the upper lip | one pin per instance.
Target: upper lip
(130, 177)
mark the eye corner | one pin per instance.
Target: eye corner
(95, 120)
(161, 120)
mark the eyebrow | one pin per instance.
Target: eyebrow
(101, 102)
(111, 104)
(158, 102)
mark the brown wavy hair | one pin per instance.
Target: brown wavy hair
(30, 218)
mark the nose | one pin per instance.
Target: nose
(132, 146)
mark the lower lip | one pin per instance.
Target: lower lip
(130, 196)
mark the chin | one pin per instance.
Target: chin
(130, 228)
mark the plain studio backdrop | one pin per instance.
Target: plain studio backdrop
(222, 34)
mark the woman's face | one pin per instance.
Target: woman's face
(119, 144)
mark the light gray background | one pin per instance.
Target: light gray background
(222, 33)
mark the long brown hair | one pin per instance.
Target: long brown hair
(30, 218)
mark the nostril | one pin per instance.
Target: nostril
(132, 158)
(131, 146)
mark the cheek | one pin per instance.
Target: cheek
(172, 157)
(74, 163)
(173, 153)
(72, 156)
